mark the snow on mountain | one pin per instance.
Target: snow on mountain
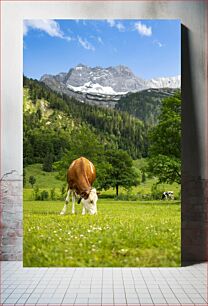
(119, 78)
(95, 88)
(165, 82)
(103, 86)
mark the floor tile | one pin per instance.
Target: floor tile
(186, 285)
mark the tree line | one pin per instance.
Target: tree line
(145, 105)
(110, 138)
(118, 127)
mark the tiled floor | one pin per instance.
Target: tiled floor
(103, 286)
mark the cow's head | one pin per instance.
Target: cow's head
(90, 203)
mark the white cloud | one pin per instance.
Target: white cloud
(142, 29)
(120, 27)
(113, 24)
(158, 43)
(100, 40)
(49, 26)
(97, 39)
(86, 44)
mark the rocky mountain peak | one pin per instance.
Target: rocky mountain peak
(97, 84)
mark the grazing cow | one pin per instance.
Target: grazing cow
(80, 177)
(167, 195)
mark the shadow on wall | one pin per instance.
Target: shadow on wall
(194, 207)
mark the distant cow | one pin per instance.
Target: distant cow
(80, 177)
(167, 195)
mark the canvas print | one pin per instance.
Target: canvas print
(102, 143)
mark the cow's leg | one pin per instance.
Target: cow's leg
(83, 210)
(66, 203)
(73, 202)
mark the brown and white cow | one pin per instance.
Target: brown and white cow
(80, 177)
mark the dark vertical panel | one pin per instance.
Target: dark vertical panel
(194, 205)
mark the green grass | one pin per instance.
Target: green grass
(48, 180)
(44, 180)
(122, 234)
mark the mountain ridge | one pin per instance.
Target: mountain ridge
(47, 113)
(103, 86)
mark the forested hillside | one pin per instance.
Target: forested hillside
(145, 104)
(50, 118)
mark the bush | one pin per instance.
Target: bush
(143, 177)
(53, 194)
(40, 196)
(146, 197)
(128, 197)
(135, 197)
(63, 191)
(36, 193)
(44, 195)
(32, 180)
(157, 191)
(178, 195)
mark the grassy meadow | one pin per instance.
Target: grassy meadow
(123, 234)
(48, 181)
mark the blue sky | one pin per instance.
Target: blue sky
(150, 48)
